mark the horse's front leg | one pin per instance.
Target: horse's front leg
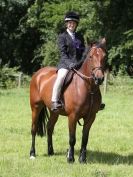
(72, 139)
(50, 127)
(85, 135)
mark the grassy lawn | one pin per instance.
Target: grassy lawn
(110, 148)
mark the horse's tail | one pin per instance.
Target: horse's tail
(42, 122)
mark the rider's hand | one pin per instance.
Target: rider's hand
(71, 66)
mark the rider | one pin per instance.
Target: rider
(71, 46)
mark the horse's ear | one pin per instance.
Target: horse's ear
(89, 43)
(103, 42)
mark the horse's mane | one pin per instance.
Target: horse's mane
(87, 50)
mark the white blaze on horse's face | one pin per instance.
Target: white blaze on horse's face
(97, 56)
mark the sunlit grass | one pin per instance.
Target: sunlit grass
(110, 148)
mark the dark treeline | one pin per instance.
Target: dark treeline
(29, 29)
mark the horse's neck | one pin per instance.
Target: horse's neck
(86, 68)
(85, 85)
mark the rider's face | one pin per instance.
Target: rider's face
(71, 25)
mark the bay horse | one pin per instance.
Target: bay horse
(84, 102)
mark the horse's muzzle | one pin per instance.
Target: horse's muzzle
(98, 80)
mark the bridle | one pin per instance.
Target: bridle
(93, 69)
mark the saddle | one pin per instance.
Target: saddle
(67, 81)
(60, 104)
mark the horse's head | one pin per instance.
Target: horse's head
(96, 61)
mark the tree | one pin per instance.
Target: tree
(16, 45)
(116, 17)
(48, 19)
(10, 14)
(29, 30)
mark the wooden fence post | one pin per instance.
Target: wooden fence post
(20, 80)
(105, 81)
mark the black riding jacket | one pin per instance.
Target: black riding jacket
(70, 51)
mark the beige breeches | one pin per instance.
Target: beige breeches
(58, 84)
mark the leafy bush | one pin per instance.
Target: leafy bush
(50, 53)
(29, 30)
(121, 55)
(9, 78)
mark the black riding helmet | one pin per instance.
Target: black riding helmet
(71, 16)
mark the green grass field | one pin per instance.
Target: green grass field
(110, 148)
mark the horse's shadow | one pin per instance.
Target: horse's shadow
(109, 158)
(104, 157)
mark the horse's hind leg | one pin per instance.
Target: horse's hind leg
(35, 114)
(50, 127)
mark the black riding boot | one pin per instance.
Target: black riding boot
(102, 106)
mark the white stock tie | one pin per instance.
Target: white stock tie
(73, 36)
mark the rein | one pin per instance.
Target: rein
(84, 77)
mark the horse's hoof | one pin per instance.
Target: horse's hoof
(102, 106)
(51, 153)
(32, 157)
(70, 160)
(32, 154)
(70, 156)
(82, 160)
(82, 156)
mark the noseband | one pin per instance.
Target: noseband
(95, 69)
